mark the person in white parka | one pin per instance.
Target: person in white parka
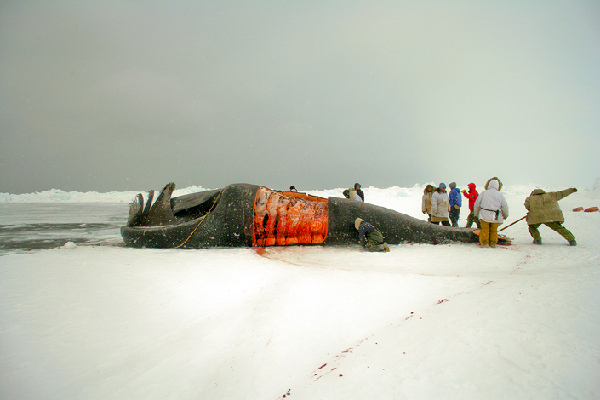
(492, 209)
(440, 206)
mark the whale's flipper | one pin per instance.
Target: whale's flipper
(159, 213)
(149, 202)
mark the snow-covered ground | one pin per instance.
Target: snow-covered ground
(421, 322)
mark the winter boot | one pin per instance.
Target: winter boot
(573, 242)
(537, 241)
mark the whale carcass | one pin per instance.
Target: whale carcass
(244, 215)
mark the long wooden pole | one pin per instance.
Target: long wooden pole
(520, 219)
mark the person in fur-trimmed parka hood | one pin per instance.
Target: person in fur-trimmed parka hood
(543, 209)
(491, 208)
(440, 206)
(426, 201)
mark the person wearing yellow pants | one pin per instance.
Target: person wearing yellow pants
(489, 234)
(491, 208)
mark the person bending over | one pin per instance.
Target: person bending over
(369, 237)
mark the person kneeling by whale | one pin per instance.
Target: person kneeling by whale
(369, 237)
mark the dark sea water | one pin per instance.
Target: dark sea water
(31, 226)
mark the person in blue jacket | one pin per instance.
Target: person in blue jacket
(455, 204)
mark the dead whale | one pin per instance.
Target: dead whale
(244, 215)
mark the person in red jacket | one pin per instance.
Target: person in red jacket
(472, 196)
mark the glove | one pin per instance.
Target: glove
(575, 189)
(463, 191)
(457, 207)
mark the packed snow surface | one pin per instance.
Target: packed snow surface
(421, 322)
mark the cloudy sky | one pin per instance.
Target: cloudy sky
(130, 95)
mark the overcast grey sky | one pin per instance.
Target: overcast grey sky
(129, 95)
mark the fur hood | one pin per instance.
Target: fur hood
(487, 184)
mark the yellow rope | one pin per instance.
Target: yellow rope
(201, 221)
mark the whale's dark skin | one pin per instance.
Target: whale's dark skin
(227, 218)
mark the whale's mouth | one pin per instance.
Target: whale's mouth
(195, 205)
(170, 211)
